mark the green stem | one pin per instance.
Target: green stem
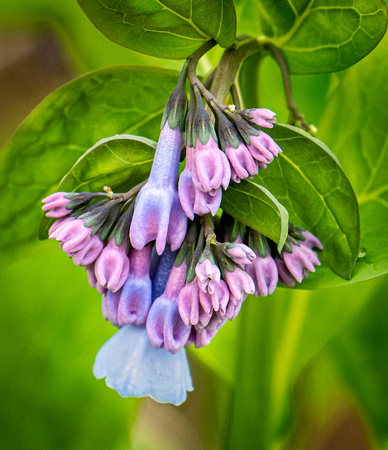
(226, 72)
(295, 116)
(236, 96)
(128, 195)
(208, 227)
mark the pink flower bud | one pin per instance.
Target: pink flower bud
(242, 162)
(240, 253)
(264, 274)
(56, 205)
(209, 276)
(262, 117)
(210, 168)
(239, 283)
(112, 266)
(263, 148)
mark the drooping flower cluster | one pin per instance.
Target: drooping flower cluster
(167, 282)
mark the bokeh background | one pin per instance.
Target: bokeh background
(300, 369)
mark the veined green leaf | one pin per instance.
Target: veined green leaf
(121, 162)
(171, 29)
(256, 207)
(317, 36)
(126, 99)
(310, 184)
(355, 126)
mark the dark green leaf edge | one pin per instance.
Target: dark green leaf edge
(326, 149)
(281, 42)
(169, 45)
(268, 201)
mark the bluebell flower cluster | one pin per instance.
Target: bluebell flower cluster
(171, 272)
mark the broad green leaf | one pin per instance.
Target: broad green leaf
(256, 207)
(307, 180)
(120, 162)
(120, 100)
(355, 126)
(317, 36)
(171, 29)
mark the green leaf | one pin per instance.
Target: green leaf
(310, 184)
(171, 29)
(256, 207)
(355, 126)
(120, 162)
(123, 100)
(317, 36)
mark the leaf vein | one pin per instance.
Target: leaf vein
(188, 20)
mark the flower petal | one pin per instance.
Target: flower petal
(134, 368)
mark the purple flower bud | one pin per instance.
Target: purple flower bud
(158, 212)
(91, 275)
(136, 293)
(58, 223)
(285, 276)
(205, 300)
(110, 305)
(57, 204)
(89, 253)
(216, 321)
(112, 266)
(232, 309)
(263, 148)
(239, 283)
(200, 338)
(194, 201)
(134, 368)
(72, 233)
(216, 301)
(164, 324)
(311, 241)
(300, 261)
(208, 275)
(210, 168)
(188, 303)
(240, 253)
(242, 162)
(264, 274)
(187, 191)
(207, 202)
(262, 117)
(93, 280)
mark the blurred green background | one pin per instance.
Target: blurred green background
(298, 370)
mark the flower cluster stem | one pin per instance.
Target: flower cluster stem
(208, 227)
(128, 195)
(294, 115)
